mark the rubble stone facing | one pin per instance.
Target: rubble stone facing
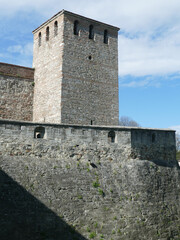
(89, 86)
(16, 71)
(79, 182)
(70, 87)
(93, 186)
(47, 61)
(16, 101)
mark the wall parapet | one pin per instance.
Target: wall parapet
(16, 71)
(132, 143)
(100, 127)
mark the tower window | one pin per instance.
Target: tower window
(153, 137)
(55, 28)
(111, 137)
(76, 31)
(47, 34)
(105, 36)
(39, 132)
(39, 40)
(91, 32)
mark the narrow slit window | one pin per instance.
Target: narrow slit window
(55, 28)
(91, 32)
(153, 137)
(76, 31)
(39, 40)
(105, 36)
(111, 137)
(47, 34)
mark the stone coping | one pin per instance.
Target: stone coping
(73, 14)
(98, 127)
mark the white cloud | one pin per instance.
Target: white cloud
(149, 43)
(131, 15)
(145, 55)
(146, 82)
(177, 128)
(26, 50)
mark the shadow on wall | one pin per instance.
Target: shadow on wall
(23, 217)
(169, 163)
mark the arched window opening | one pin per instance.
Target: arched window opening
(76, 31)
(105, 36)
(91, 32)
(39, 132)
(47, 34)
(55, 28)
(39, 41)
(153, 137)
(111, 137)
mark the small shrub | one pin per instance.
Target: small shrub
(92, 235)
(96, 225)
(96, 184)
(80, 197)
(101, 192)
(68, 166)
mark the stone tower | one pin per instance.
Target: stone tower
(76, 71)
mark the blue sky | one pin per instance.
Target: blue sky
(149, 49)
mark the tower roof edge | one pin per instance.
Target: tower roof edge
(75, 15)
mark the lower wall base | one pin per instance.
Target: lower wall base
(87, 192)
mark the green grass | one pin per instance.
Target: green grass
(92, 235)
(96, 184)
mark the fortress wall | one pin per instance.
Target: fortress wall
(90, 85)
(134, 143)
(78, 185)
(16, 91)
(17, 137)
(16, 71)
(153, 145)
(47, 61)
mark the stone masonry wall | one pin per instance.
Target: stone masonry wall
(70, 87)
(16, 94)
(47, 61)
(153, 145)
(77, 185)
(90, 74)
(16, 71)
